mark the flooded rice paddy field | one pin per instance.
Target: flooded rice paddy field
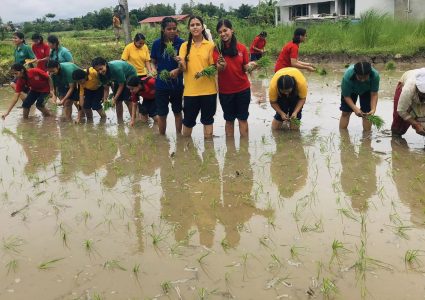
(99, 211)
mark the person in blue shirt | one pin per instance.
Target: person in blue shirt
(171, 90)
(359, 81)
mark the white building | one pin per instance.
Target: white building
(288, 10)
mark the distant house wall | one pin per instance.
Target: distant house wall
(415, 11)
(382, 6)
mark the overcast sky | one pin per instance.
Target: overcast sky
(29, 10)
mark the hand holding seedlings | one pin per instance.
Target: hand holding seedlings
(209, 71)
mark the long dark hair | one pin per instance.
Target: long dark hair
(37, 36)
(232, 50)
(286, 82)
(20, 35)
(362, 68)
(20, 68)
(164, 23)
(136, 81)
(53, 39)
(297, 35)
(139, 37)
(190, 37)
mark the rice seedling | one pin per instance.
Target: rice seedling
(165, 75)
(107, 105)
(316, 227)
(219, 45)
(348, 213)
(113, 265)
(136, 271)
(321, 71)
(49, 264)
(97, 296)
(166, 287)
(225, 244)
(338, 250)
(376, 121)
(203, 293)
(209, 72)
(13, 244)
(295, 122)
(328, 288)
(201, 258)
(88, 246)
(390, 66)
(264, 62)
(169, 50)
(411, 258)
(295, 252)
(12, 266)
(86, 215)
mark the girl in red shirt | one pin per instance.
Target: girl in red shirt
(258, 45)
(288, 57)
(39, 84)
(144, 87)
(233, 84)
(41, 50)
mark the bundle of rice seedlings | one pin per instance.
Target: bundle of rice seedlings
(107, 105)
(295, 122)
(164, 75)
(169, 50)
(376, 121)
(263, 63)
(218, 45)
(209, 71)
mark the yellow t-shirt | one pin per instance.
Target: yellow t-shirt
(199, 58)
(137, 57)
(92, 83)
(299, 79)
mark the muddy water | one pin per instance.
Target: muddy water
(98, 211)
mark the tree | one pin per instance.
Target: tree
(243, 11)
(264, 12)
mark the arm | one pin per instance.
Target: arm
(276, 107)
(52, 90)
(351, 104)
(68, 93)
(118, 93)
(373, 102)
(12, 105)
(298, 107)
(301, 65)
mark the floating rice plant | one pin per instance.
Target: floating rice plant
(13, 244)
(338, 251)
(209, 72)
(225, 244)
(113, 265)
(321, 71)
(390, 66)
(328, 289)
(412, 258)
(12, 266)
(166, 287)
(49, 264)
(136, 271)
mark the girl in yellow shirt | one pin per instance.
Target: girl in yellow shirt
(137, 54)
(199, 94)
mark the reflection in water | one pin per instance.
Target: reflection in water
(358, 176)
(408, 171)
(40, 142)
(289, 165)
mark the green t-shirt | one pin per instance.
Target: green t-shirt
(61, 55)
(119, 71)
(64, 78)
(22, 53)
(350, 85)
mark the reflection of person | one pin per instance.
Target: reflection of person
(116, 25)
(289, 165)
(237, 207)
(191, 188)
(407, 171)
(287, 95)
(116, 72)
(258, 46)
(39, 84)
(358, 176)
(288, 56)
(409, 103)
(359, 80)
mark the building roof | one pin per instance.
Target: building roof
(159, 19)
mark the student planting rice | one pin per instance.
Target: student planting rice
(199, 94)
(57, 51)
(288, 57)
(39, 84)
(169, 83)
(409, 103)
(41, 50)
(258, 46)
(145, 88)
(22, 54)
(66, 87)
(137, 55)
(287, 95)
(233, 84)
(91, 92)
(359, 81)
(116, 72)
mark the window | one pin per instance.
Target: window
(298, 11)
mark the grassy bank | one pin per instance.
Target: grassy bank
(374, 35)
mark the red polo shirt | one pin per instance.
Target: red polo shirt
(290, 50)
(148, 93)
(258, 43)
(38, 81)
(233, 78)
(41, 50)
